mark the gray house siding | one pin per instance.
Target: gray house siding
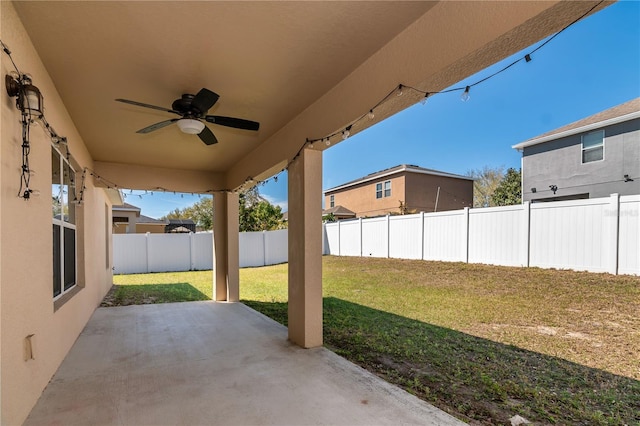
(559, 162)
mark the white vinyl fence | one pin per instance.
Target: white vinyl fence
(141, 253)
(598, 235)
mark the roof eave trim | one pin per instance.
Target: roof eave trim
(581, 129)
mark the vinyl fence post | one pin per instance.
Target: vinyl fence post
(612, 216)
(466, 234)
(422, 235)
(388, 236)
(526, 211)
(192, 251)
(339, 239)
(360, 223)
(264, 248)
(147, 254)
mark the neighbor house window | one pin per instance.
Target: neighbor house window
(593, 146)
(332, 201)
(64, 223)
(387, 189)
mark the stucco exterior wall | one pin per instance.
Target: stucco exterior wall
(422, 190)
(125, 228)
(142, 228)
(361, 199)
(559, 163)
(26, 300)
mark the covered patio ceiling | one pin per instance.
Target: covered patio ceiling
(301, 69)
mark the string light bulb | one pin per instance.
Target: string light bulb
(465, 95)
(424, 100)
(399, 91)
(371, 115)
(346, 133)
(328, 142)
(527, 58)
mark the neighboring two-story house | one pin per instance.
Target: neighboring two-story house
(402, 189)
(590, 158)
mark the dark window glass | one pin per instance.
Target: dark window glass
(593, 146)
(594, 154)
(69, 258)
(57, 282)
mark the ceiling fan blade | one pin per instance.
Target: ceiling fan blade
(237, 123)
(127, 101)
(207, 136)
(157, 126)
(204, 100)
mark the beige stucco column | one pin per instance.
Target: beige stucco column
(305, 249)
(225, 247)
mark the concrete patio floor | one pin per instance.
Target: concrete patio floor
(213, 363)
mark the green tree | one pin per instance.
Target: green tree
(486, 181)
(509, 191)
(202, 213)
(258, 214)
(267, 216)
(329, 218)
(255, 213)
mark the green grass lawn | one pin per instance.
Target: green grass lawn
(481, 342)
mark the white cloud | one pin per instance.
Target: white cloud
(284, 204)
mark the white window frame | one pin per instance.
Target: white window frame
(591, 148)
(387, 188)
(65, 224)
(383, 189)
(332, 201)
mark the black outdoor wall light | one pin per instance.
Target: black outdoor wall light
(29, 99)
(554, 188)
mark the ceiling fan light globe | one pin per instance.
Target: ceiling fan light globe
(191, 126)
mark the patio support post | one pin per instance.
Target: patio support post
(226, 282)
(305, 249)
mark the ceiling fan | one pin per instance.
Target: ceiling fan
(192, 110)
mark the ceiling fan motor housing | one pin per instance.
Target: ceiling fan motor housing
(184, 106)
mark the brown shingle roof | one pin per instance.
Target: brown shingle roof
(622, 110)
(339, 211)
(150, 221)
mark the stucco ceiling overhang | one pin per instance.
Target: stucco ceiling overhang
(302, 69)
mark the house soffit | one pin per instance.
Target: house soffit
(268, 61)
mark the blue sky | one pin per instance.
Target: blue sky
(592, 66)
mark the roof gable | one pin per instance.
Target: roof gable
(624, 112)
